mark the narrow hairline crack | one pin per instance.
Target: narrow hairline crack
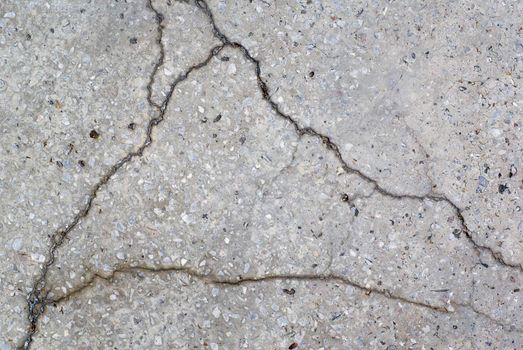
(213, 279)
(37, 299)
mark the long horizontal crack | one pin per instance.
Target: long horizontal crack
(331, 146)
(241, 280)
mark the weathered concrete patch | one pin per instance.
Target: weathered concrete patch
(370, 149)
(70, 89)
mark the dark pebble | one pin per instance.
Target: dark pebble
(290, 291)
(94, 134)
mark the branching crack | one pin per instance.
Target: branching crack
(37, 300)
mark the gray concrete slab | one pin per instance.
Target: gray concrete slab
(261, 174)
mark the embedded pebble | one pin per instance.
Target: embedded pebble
(18, 244)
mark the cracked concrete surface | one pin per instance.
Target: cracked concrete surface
(232, 174)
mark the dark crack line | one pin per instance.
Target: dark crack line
(159, 36)
(37, 299)
(241, 280)
(331, 146)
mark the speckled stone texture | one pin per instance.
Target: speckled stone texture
(261, 174)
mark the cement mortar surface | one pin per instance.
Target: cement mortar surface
(261, 174)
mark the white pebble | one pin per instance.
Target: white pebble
(496, 132)
(157, 340)
(38, 257)
(18, 244)
(231, 69)
(186, 218)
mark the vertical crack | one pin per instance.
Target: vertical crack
(159, 36)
